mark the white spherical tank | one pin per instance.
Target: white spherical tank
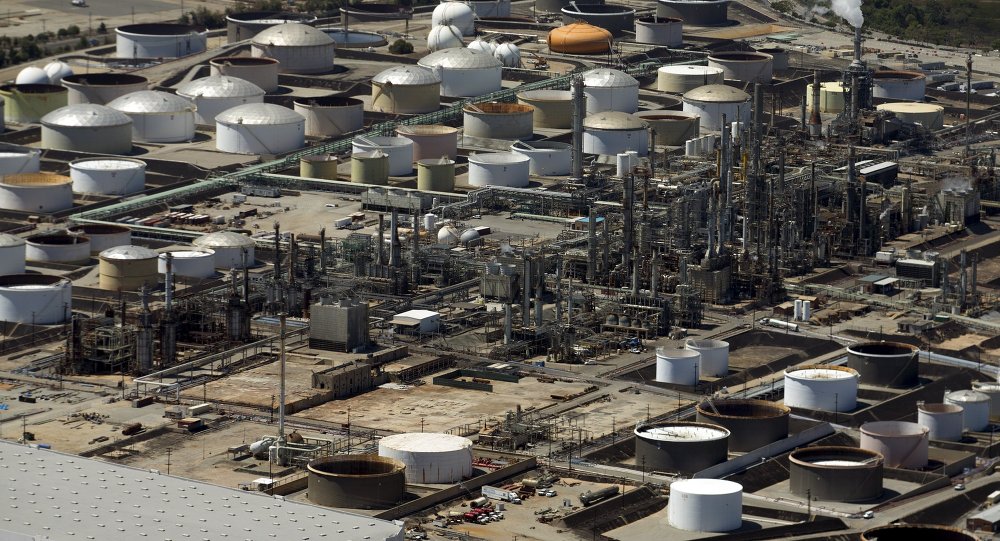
(680, 79)
(198, 263)
(611, 133)
(975, 408)
(483, 46)
(231, 248)
(218, 93)
(262, 72)
(677, 366)
(37, 299)
(712, 101)
(12, 254)
(298, 48)
(992, 390)
(548, 158)
(508, 54)
(22, 160)
(103, 236)
(100, 88)
(464, 72)
(943, 421)
(36, 192)
(157, 117)
(666, 31)
(430, 457)
(406, 90)
(56, 71)
(821, 387)
(159, 40)
(746, 66)
(57, 248)
(899, 85)
(328, 116)
(705, 505)
(608, 89)
(399, 150)
(454, 14)
(87, 127)
(32, 75)
(444, 37)
(903, 444)
(714, 356)
(499, 169)
(108, 176)
(259, 128)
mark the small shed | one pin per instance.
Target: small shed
(417, 321)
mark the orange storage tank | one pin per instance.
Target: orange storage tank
(580, 38)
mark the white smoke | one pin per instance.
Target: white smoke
(849, 10)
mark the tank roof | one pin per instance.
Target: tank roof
(426, 442)
(707, 487)
(107, 164)
(259, 114)
(717, 93)
(7, 239)
(910, 107)
(292, 35)
(580, 32)
(228, 239)
(159, 29)
(220, 86)
(967, 395)
(128, 252)
(459, 58)
(407, 75)
(151, 101)
(88, 115)
(893, 429)
(614, 120)
(821, 371)
(681, 431)
(607, 77)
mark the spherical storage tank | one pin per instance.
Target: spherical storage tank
(483, 46)
(56, 71)
(436, 175)
(899, 85)
(752, 423)
(499, 169)
(552, 108)
(614, 18)
(103, 236)
(431, 141)
(672, 128)
(943, 421)
(57, 248)
(198, 263)
(991, 389)
(108, 176)
(100, 88)
(548, 158)
(406, 90)
(127, 268)
(580, 38)
(454, 14)
(247, 24)
(157, 117)
(821, 387)
(37, 299)
(677, 366)
(714, 356)
(356, 481)
(262, 71)
(710, 102)
(328, 116)
(29, 103)
(975, 406)
(902, 444)
(159, 40)
(87, 128)
(297, 47)
(608, 89)
(680, 446)
(444, 37)
(430, 457)
(230, 248)
(750, 67)
(12, 254)
(831, 97)
(508, 54)
(666, 31)
(612, 133)
(398, 149)
(928, 115)
(259, 128)
(695, 12)
(498, 120)
(705, 505)
(32, 75)
(680, 79)
(217, 93)
(36, 192)
(20, 160)
(464, 72)
(891, 364)
(835, 473)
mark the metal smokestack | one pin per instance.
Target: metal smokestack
(579, 111)
(394, 245)
(857, 44)
(815, 122)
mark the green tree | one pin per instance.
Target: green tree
(102, 29)
(401, 46)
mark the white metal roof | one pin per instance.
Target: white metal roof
(151, 101)
(418, 314)
(259, 114)
(607, 77)
(64, 497)
(128, 252)
(716, 93)
(220, 86)
(86, 115)
(292, 35)
(225, 239)
(614, 120)
(7, 239)
(967, 395)
(407, 75)
(707, 487)
(459, 58)
(425, 442)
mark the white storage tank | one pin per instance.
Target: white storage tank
(262, 71)
(29, 103)
(780, 56)
(821, 387)
(677, 366)
(673, 128)
(444, 37)
(665, 31)
(194, 263)
(36, 192)
(32, 75)
(714, 356)
(832, 96)
(498, 120)
(508, 54)
(127, 268)
(483, 46)
(992, 390)
(406, 90)
(745, 66)
(454, 14)
(56, 71)
(37, 299)
(611, 133)
(680, 79)
(157, 117)
(430, 457)
(87, 128)
(975, 408)
(328, 116)
(103, 236)
(928, 115)
(903, 444)
(108, 176)
(159, 40)
(712, 101)
(499, 169)
(548, 158)
(464, 72)
(298, 48)
(943, 421)
(705, 505)
(398, 149)
(899, 85)
(608, 89)
(57, 248)
(12, 254)
(20, 160)
(217, 93)
(230, 248)
(259, 128)
(100, 88)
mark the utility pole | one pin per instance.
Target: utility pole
(968, 104)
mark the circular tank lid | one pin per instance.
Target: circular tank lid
(128, 252)
(682, 432)
(88, 115)
(836, 456)
(614, 120)
(159, 29)
(292, 35)
(741, 56)
(151, 101)
(220, 86)
(910, 107)
(407, 75)
(7, 240)
(608, 78)
(224, 239)
(497, 158)
(459, 58)
(716, 94)
(104, 79)
(35, 180)
(821, 372)
(676, 353)
(579, 33)
(107, 164)
(269, 17)
(31, 281)
(187, 254)
(706, 487)
(697, 71)
(967, 395)
(426, 442)
(940, 409)
(426, 130)
(259, 114)
(893, 429)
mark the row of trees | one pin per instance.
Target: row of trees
(18, 50)
(971, 23)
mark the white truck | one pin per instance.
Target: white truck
(343, 223)
(495, 493)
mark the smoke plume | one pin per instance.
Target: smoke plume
(849, 10)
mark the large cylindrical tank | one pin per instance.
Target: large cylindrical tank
(714, 356)
(498, 120)
(231, 248)
(356, 481)
(899, 85)
(100, 88)
(298, 48)
(217, 93)
(831, 97)
(680, 79)
(608, 89)
(157, 117)
(910, 532)
(752, 423)
(108, 176)
(928, 115)
(127, 268)
(705, 505)
(612, 133)
(370, 168)
(430, 457)
(444, 37)
(37, 299)
(262, 71)
(665, 31)
(672, 128)
(20, 160)
(902, 444)
(247, 24)
(406, 90)
(580, 38)
(552, 108)
(679, 446)
(322, 166)
(12, 254)
(943, 421)
(890, 364)
(259, 128)
(436, 175)
(712, 101)
(57, 248)
(975, 408)
(615, 18)
(499, 169)
(780, 56)
(431, 141)
(36, 192)
(677, 366)
(455, 14)
(695, 12)
(548, 158)
(399, 150)
(489, 8)
(329, 116)
(833, 473)
(87, 128)
(103, 236)
(745, 66)
(29, 103)
(159, 40)
(821, 387)
(194, 263)
(464, 72)
(992, 390)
